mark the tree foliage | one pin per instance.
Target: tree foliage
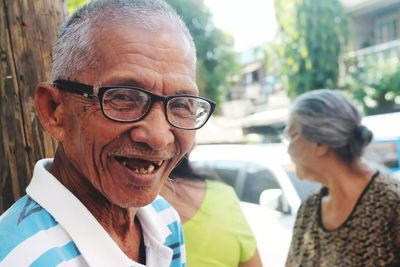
(373, 78)
(381, 95)
(312, 35)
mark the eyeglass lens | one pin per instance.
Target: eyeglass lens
(187, 112)
(125, 104)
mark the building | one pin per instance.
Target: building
(250, 86)
(373, 22)
(374, 33)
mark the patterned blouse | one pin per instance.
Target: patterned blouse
(370, 236)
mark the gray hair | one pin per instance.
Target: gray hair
(328, 117)
(73, 51)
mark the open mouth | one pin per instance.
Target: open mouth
(140, 166)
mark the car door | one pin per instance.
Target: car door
(257, 179)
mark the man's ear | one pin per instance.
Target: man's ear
(321, 150)
(50, 110)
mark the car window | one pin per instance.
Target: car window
(257, 181)
(228, 172)
(232, 172)
(227, 176)
(303, 188)
(385, 153)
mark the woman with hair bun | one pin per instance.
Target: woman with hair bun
(354, 219)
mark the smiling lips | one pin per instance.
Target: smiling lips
(140, 166)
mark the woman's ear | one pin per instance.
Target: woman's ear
(50, 110)
(321, 149)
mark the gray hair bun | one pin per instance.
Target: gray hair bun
(355, 147)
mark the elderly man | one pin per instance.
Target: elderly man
(123, 106)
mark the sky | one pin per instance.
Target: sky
(251, 22)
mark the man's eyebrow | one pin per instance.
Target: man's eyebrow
(127, 82)
(185, 92)
(134, 83)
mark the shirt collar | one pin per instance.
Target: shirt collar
(94, 243)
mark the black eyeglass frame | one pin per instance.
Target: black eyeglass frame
(88, 92)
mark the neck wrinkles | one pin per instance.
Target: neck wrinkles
(108, 214)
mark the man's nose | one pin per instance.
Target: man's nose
(154, 129)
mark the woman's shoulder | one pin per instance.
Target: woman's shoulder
(310, 206)
(217, 191)
(387, 186)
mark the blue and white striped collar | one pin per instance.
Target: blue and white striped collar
(94, 243)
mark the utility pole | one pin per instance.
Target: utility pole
(28, 29)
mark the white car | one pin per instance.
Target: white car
(270, 193)
(385, 148)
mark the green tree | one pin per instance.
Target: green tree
(374, 79)
(312, 35)
(381, 95)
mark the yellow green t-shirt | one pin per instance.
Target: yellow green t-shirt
(218, 234)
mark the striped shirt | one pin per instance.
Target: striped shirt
(50, 227)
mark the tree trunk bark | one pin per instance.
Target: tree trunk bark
(28, 29)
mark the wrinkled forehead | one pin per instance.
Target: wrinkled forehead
(162, 48)
(158, 32)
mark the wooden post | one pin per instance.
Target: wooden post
(28, 29)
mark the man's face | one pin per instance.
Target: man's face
(129, 162)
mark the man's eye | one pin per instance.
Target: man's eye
(182, 104)
(121, 97)
(124, 100)
(116, 96)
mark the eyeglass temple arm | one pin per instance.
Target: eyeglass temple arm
(213, 106)
(82, 89)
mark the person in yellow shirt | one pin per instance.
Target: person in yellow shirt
(215, 229)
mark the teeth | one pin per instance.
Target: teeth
(147, 170)
(158, 162)
(150, 169)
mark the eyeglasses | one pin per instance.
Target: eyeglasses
(131, 104)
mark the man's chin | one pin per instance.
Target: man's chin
(131, 205)
(134, 202)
